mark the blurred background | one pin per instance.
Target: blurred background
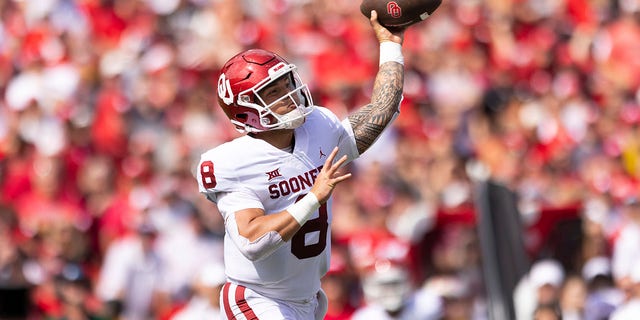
(106, 106)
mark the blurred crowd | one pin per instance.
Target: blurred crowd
(106, 106)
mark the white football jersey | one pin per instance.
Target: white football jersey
(255, 174)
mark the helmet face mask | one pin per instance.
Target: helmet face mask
(245, 94)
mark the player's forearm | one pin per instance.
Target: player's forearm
(369, 122)
(256, 227)
(259, 236)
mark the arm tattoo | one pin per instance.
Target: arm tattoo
(369, 121)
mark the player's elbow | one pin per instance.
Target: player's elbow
(261, 247)
(252, 254)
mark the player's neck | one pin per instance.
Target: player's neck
(280, 139)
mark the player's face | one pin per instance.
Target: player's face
(278, 95)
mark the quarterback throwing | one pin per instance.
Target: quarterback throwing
(273, 185)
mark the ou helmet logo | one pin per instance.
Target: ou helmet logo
(224, 90)
(393, 9)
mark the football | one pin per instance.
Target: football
(399, 14)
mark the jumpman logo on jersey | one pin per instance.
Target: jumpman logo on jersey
(274, 174)
(322, 155)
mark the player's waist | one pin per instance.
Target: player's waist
(288, 294)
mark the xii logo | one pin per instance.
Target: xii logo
(274, 174)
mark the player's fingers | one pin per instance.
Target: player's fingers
(338, 179)
(342, 178)
(329, 162)
(382, 33)
(373, 19)
(339, 163)
(374, 16)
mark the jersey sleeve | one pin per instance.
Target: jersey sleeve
(347, 142)
(346, 139)
(210, 182)
(220, 181)
(216, 176)
(230, 202)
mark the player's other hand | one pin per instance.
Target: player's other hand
(383, 34)
(329, 177)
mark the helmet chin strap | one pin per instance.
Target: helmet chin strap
(293, 119)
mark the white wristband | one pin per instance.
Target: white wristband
(303, 209)
(391, 51)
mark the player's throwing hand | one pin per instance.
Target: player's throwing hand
(383, 34)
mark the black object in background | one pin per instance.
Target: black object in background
(504, 257)
(14, 302)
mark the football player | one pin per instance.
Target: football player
(273, 185)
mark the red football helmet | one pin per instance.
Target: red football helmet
(241, 82)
